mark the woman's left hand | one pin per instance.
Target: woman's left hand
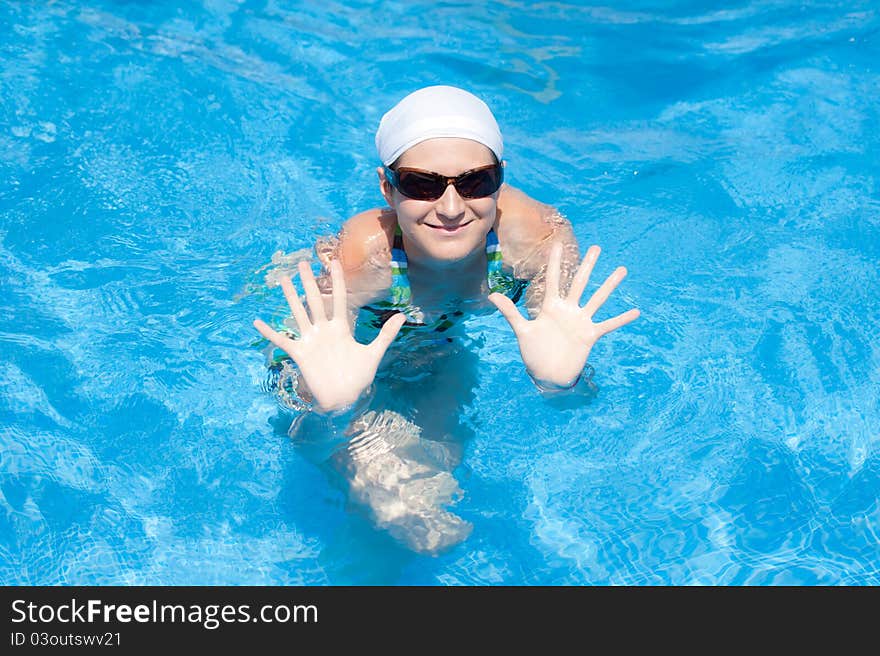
(556, 343)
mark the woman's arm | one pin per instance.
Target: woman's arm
(526, 230)
(362, 247)
(556, 342)
(333, 369)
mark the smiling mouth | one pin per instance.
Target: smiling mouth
(454, 228)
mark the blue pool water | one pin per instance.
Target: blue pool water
(154, 157)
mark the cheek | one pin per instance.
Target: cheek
(409, 210)
(485, 208)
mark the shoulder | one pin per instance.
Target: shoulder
(363, 248)
(524, 222)
(366, 237)
(518, 209)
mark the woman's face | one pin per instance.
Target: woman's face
(451, 228)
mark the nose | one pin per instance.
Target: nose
(450, 206)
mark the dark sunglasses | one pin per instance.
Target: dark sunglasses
(427, 185)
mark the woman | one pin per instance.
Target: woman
(453, 236)
(449, 217)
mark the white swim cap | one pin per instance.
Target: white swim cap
(438, 111)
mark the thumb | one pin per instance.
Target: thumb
(509, 310)
(389, 331)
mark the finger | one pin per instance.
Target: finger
(604, 291)
(340, 306)
(313, 294)
(296, 306)
(551, 283)
(389, 331)
(281, 341)
(582, 276)
(509, 310)
(605, 327)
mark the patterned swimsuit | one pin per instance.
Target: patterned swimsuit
(400, 294)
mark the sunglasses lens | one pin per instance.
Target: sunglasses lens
(423, 185)
(420, 186)
(479, 184)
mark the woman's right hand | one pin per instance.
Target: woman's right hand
(336, 368)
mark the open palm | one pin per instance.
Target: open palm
(555, 345)
(335, 367)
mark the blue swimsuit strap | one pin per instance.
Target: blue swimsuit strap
(400, 291)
